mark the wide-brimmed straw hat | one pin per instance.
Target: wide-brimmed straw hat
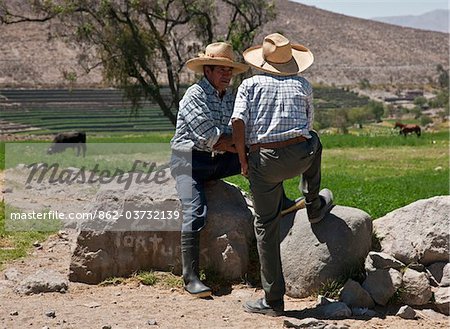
(278, 56)
(217, 53)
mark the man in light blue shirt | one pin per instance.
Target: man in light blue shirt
(272, 118)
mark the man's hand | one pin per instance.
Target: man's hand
(225, 143)
(244, 167)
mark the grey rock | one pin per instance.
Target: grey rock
(380, 260)
(445, 281)
(417, 232)
(442, 300)
(334, 310)
(313, 254)
(12, 274)
(42, 281)
(358, 311)
(436, 272)
(310, 323)
(433, 315)
(406, 312)
(382, 284)
(354, 295)
(416, 289)
(152, 322)
(51, 314)
(119, 247)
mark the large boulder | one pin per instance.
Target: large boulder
(312, 254)
(417, 232)
(116, 246)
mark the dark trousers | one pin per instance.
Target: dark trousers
(191, 171)
(268, 168)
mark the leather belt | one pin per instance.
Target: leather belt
(277, 145)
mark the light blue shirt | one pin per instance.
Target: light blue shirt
(274, 108)
(203, 116)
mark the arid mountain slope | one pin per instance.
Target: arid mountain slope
(349, 49)
(346, 50)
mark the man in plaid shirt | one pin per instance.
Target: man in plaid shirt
(202, 149)
(272, 118)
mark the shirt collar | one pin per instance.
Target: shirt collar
(210, 90)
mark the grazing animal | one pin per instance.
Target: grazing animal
(408, 129)
(62, 141)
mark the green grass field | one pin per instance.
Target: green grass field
(375, 170)
(382, 173)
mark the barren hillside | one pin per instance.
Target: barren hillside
(349, 49)
(346, 50)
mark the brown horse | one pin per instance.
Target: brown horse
(408, 129)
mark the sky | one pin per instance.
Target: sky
(377, 8)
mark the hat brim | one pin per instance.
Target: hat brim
(196, 64)
(302, 58)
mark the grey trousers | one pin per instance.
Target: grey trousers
(268, 168)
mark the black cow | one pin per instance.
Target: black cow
(66, 140)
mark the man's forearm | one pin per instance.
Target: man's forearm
(239, 138)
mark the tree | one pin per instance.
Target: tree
(357, 115)
(443, 78)
(340, 120)
(377, 110)
(425, 120)
(420, 101)
(143, 45)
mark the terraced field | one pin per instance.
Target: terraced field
(332, 98)
(105, 110)
(83, 109)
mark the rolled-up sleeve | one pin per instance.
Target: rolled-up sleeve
(241, 108)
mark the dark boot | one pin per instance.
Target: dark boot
(318, 208)
(190, 254)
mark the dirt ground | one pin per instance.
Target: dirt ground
(133, 305)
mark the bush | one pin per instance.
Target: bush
(425, 119)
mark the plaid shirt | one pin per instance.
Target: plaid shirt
(202, 118)
(274, 108)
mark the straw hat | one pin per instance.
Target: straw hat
(278, 56)
(218, 53)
